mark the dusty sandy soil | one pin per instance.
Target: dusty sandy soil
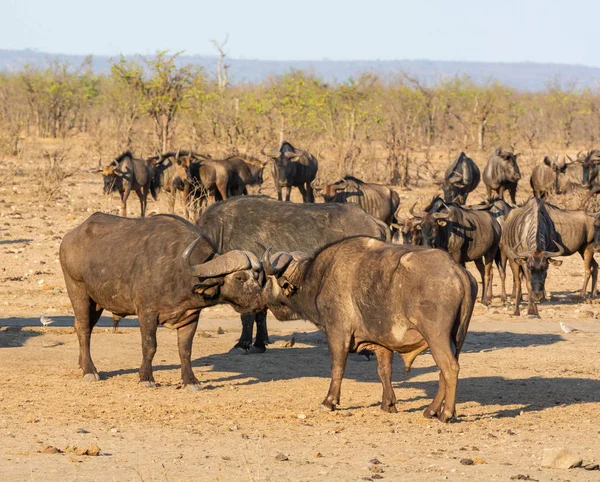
(524, 385)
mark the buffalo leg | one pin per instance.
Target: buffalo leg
(262, 334)
(384, 370)
(185, 339)
(245, 340)
(148, 327)
(87, 314)
(448, 365)
(435, 407)
(590, 269)
(339, 346)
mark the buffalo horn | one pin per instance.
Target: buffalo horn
(219, 266)
(273, 265)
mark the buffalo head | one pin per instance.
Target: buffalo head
(235, 277)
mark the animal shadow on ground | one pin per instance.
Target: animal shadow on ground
(15, 336)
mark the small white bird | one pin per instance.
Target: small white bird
(566, 328)
(45, 320)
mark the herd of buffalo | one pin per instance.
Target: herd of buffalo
(370, 279)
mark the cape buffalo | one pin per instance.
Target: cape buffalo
(501, 173)
(125, 173)
(365, 293)
(379, 201)
(162, 269)
(462, 176)
(294, 167)
(240, 223)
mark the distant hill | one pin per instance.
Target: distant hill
(525, 76)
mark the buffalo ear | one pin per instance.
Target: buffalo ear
(554, 262)
(442, 222)
(288, 288)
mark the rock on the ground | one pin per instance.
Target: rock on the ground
(560, 458)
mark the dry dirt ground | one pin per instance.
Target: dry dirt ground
(524, 384)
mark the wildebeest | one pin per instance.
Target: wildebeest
(467, 235)
(499, 209)
(501, 173)
(379, 201)
(531, 241)
(162, 269)
(462, 176)
(406, 232)
(365, 293)
(126, 173)
(591, 171)
(294, 167)
(241, 223)
(248, 169)
(554, 175)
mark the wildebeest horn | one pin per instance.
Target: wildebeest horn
(316, 185)
(550, 254)
(221, 265)
(591, 213)
(440, 215)
(273, 265)
(341, 185)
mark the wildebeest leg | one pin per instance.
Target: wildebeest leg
(142, 195)
(531, 305)
(279, 196)
(484, 280)
(489, 191)
(590, 269)
(288, 193)
(87, 314)
(245, 340)
(339, 346)
(302, 190)
(310, 193)
(449, 368)
(124, 196)
(185, 339)
(516, 271)
(489, 277)
(148, 327)
(501, 264)
(501, 191)
(262, 335)
(384, 370)
(513, 194)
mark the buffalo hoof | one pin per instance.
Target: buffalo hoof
(388, 408)
(428, 413)
(148, 384)
(446, 417)
(193, 387)
(91, 377)
(257, 349)
(238, 350)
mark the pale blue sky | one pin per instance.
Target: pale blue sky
(477, 30)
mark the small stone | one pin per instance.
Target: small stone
(79, 451)
(225, 457)
(376, 477)
(301, 416)
(50, 449)
(375, 461)
(560, 458)
(114, 430)
(205, 334)
(281, 457)
(317, 455)
(479, 461)
(466, 461)
(81, 430)
(591, 467)
(93, 450)
(376, 469)
(221, 331)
